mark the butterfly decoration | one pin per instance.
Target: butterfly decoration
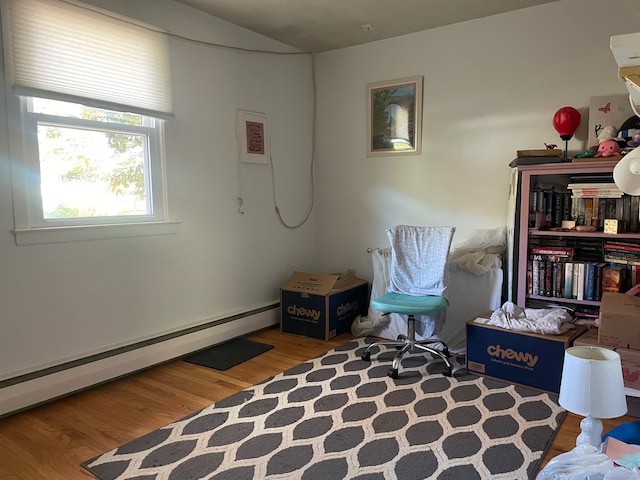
(606, 108)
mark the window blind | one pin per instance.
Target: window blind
(74, 52)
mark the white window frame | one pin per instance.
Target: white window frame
(30, 225)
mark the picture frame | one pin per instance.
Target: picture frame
(253, 137)
(394, 117)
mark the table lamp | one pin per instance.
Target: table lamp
(592, 386)
(626, 173)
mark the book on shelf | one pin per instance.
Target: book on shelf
(612, 158)
(621, 260)
(626, 282)
(535, 160)
(540, 152)
(594, 185)
(553, 251)
(592, 281)
(611, 278)
(568, 280)
(580, 281)
(622, 245)
(634, 213)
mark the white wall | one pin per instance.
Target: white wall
(66, 300)
(491, 87)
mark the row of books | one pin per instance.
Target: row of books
(553, 272)
(548, 209)
(595, 190)
(627, 253)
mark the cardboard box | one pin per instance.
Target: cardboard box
(616, 449)
(619, 321)
(321, 305)
(523, 358)
(630, 359)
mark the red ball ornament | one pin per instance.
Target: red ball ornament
(566, 122)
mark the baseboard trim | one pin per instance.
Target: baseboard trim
(29, 390)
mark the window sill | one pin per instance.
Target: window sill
(37, 236)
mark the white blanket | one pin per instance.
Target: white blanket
(552, 321)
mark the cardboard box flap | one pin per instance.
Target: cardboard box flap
(348, 281)
(616, 449)
(316, 283)
(619, 321)
(618, 302)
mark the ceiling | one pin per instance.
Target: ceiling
(322, 25)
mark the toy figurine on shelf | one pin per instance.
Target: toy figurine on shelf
(608, 148)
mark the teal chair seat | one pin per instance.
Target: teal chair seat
(409, 305)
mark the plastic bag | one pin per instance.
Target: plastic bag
(481, 252)
(585, 463)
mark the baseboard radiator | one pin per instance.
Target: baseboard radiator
(29, 390)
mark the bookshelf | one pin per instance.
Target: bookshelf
(538, 228)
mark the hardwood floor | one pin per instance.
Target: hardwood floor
(51, 441)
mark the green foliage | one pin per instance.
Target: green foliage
(62, 211)
(85, 170)
(130, 174)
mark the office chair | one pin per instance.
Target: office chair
(417, 284)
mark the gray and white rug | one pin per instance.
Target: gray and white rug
(339, 417)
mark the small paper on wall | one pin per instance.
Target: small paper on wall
(253, 137)
(608, 110)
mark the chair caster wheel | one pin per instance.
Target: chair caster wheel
(366, 356)
(446, 371)
(393, 373)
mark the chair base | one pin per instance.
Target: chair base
(408, 343)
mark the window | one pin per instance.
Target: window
(88, 154)
(95, 165)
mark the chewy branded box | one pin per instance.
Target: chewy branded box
(630, 359)
(321, 305)
(619, 321)
(523, 358)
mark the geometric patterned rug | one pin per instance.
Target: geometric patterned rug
(339, 417)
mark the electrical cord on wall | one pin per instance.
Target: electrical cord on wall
(313, 158)
(313, 134)
(247, 50)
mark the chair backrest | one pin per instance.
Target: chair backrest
(419, 258)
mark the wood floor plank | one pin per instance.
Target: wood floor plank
(50, 442)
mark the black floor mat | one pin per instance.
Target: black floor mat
(228, 354)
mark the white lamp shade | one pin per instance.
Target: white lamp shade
(626, 173)
(592, 384)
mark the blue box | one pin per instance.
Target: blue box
(523, 358)
(322, 305)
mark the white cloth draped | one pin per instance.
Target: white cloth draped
(419, 259)
(548, 321)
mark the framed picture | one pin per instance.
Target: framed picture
(394, 117)
(253, 137)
